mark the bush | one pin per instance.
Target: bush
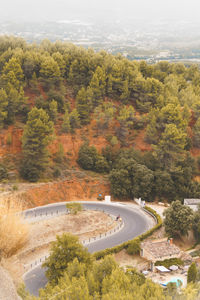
(134, 247)
(3, 172)
(74, 208)
(9, 139)
(56, 172)
(192, 273)
(135, 276)
(101, 165)
(89, 159)
(169, 262)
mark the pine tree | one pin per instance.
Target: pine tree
(192, 273)
(36, 137)
(3, 106)
(98, 84)
(53, 110)
(12, 74)
(74, 119)
(66, 122)
(82, 105)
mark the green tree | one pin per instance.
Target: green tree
(63, 251)
(196, 224)
(103, 269)
(3, 106)
(53, 111)
(83, 106)
(171, 146)
(134, 247)
(59, 156)
(178, 219)
(126, 116)
(192, 273)
(36, 137)
(66, 122)
(50, 70)
(74, 119)
(12, 74)
(87, 157)
(130, 179)
(117, 281)
(97, 84)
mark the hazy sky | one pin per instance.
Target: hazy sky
(36, 10)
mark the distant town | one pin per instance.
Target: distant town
(135, 40)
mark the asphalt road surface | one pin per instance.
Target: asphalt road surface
(135, 223)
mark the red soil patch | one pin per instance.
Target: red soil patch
(195, 152)
(67, 190)
(139, 142)
(14, 134)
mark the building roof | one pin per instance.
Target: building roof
(191, 201)
(162, 269)
(160, 248)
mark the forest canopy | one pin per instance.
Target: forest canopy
(71, 87)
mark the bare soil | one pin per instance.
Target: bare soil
(135, 261)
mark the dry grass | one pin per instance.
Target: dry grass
(13, 230)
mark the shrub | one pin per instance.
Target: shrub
(135, 276)
(134, 247)
(89, 159)
(3, 172)
(9, 139)
(101, 164)
(74, 208)
(192, 273)
(56, 172)
(169, 262)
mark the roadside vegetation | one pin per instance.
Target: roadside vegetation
(13, 230)
(75, 275)
(74, 208)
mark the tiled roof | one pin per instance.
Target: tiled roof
(160, 249)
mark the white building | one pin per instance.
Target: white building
(192, 203)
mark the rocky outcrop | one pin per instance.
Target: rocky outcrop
(7, 287)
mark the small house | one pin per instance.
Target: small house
(192, 203)
(159, 250)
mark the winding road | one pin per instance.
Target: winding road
(135, 223)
